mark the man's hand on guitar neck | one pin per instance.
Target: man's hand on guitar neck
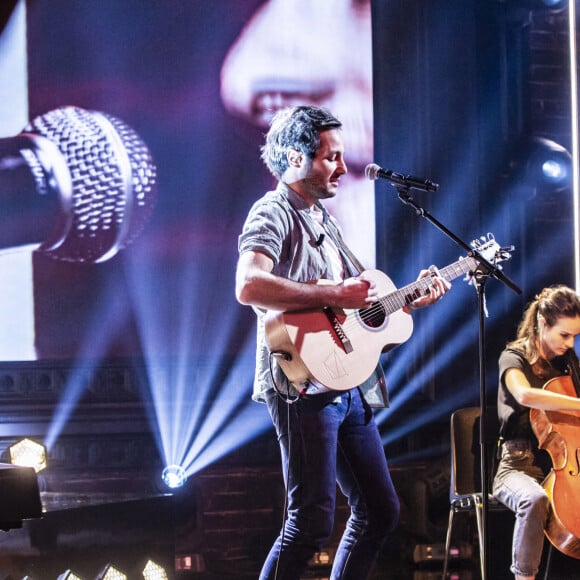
(436, 291)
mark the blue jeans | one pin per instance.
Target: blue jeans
(325, 440)
(516, 485)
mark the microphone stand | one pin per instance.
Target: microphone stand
(484, 270)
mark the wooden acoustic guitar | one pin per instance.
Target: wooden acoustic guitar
(339, 349)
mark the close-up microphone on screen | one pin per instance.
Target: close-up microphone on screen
(81, 184)
(373, 172)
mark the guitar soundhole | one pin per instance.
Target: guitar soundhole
(374, 316)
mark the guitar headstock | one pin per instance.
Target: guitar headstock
(488, 248)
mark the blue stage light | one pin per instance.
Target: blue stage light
(549, 165)
(174, 476)
(540, 165)
(69, 575)
(554, 171)
(553, 4)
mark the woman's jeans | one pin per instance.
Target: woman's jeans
(516, 485)
(325, 439)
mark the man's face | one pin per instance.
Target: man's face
(320, 176)
(556, 340)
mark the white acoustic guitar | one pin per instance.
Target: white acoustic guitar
(339, 349)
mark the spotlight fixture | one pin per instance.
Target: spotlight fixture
(111, 573)
(323, 558)
(541, 164)
(194, 563)
(68, 575)
(549, 165)
(153, 571)
(28, 453)
(552, 5)
(174, 476)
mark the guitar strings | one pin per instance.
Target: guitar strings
(398, 299)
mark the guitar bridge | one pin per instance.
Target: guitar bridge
(338, 330)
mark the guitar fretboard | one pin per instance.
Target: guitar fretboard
(407, 294)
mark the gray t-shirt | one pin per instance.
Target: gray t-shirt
(515, 418)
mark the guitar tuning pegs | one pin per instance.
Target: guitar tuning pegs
(483, 241)
(504, 253)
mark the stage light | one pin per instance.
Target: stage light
(554, 171)
(68, 575)
(153, 571)
(323, 558)
(552, 5)
(549, 165)
(28, 453)
(111, 573)
(194, 563)
(541, 165)
(174, 476)
(555, 5)
(193, 427)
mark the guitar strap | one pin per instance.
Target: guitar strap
(351, 263)
(374, 389)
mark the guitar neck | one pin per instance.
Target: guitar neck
(407, 294)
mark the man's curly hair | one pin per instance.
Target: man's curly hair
(296, 128)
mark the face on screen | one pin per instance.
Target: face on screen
(304, 52)
(288, 51)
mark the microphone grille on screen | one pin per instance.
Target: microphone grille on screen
(372, 171)
(112, 183)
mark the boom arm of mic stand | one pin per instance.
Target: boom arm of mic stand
(487, 268)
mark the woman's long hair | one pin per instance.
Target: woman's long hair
(551, 303)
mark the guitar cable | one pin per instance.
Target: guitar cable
(289, 400)
(287, 397)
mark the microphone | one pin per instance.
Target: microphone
(373, 172)
(80, 184)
